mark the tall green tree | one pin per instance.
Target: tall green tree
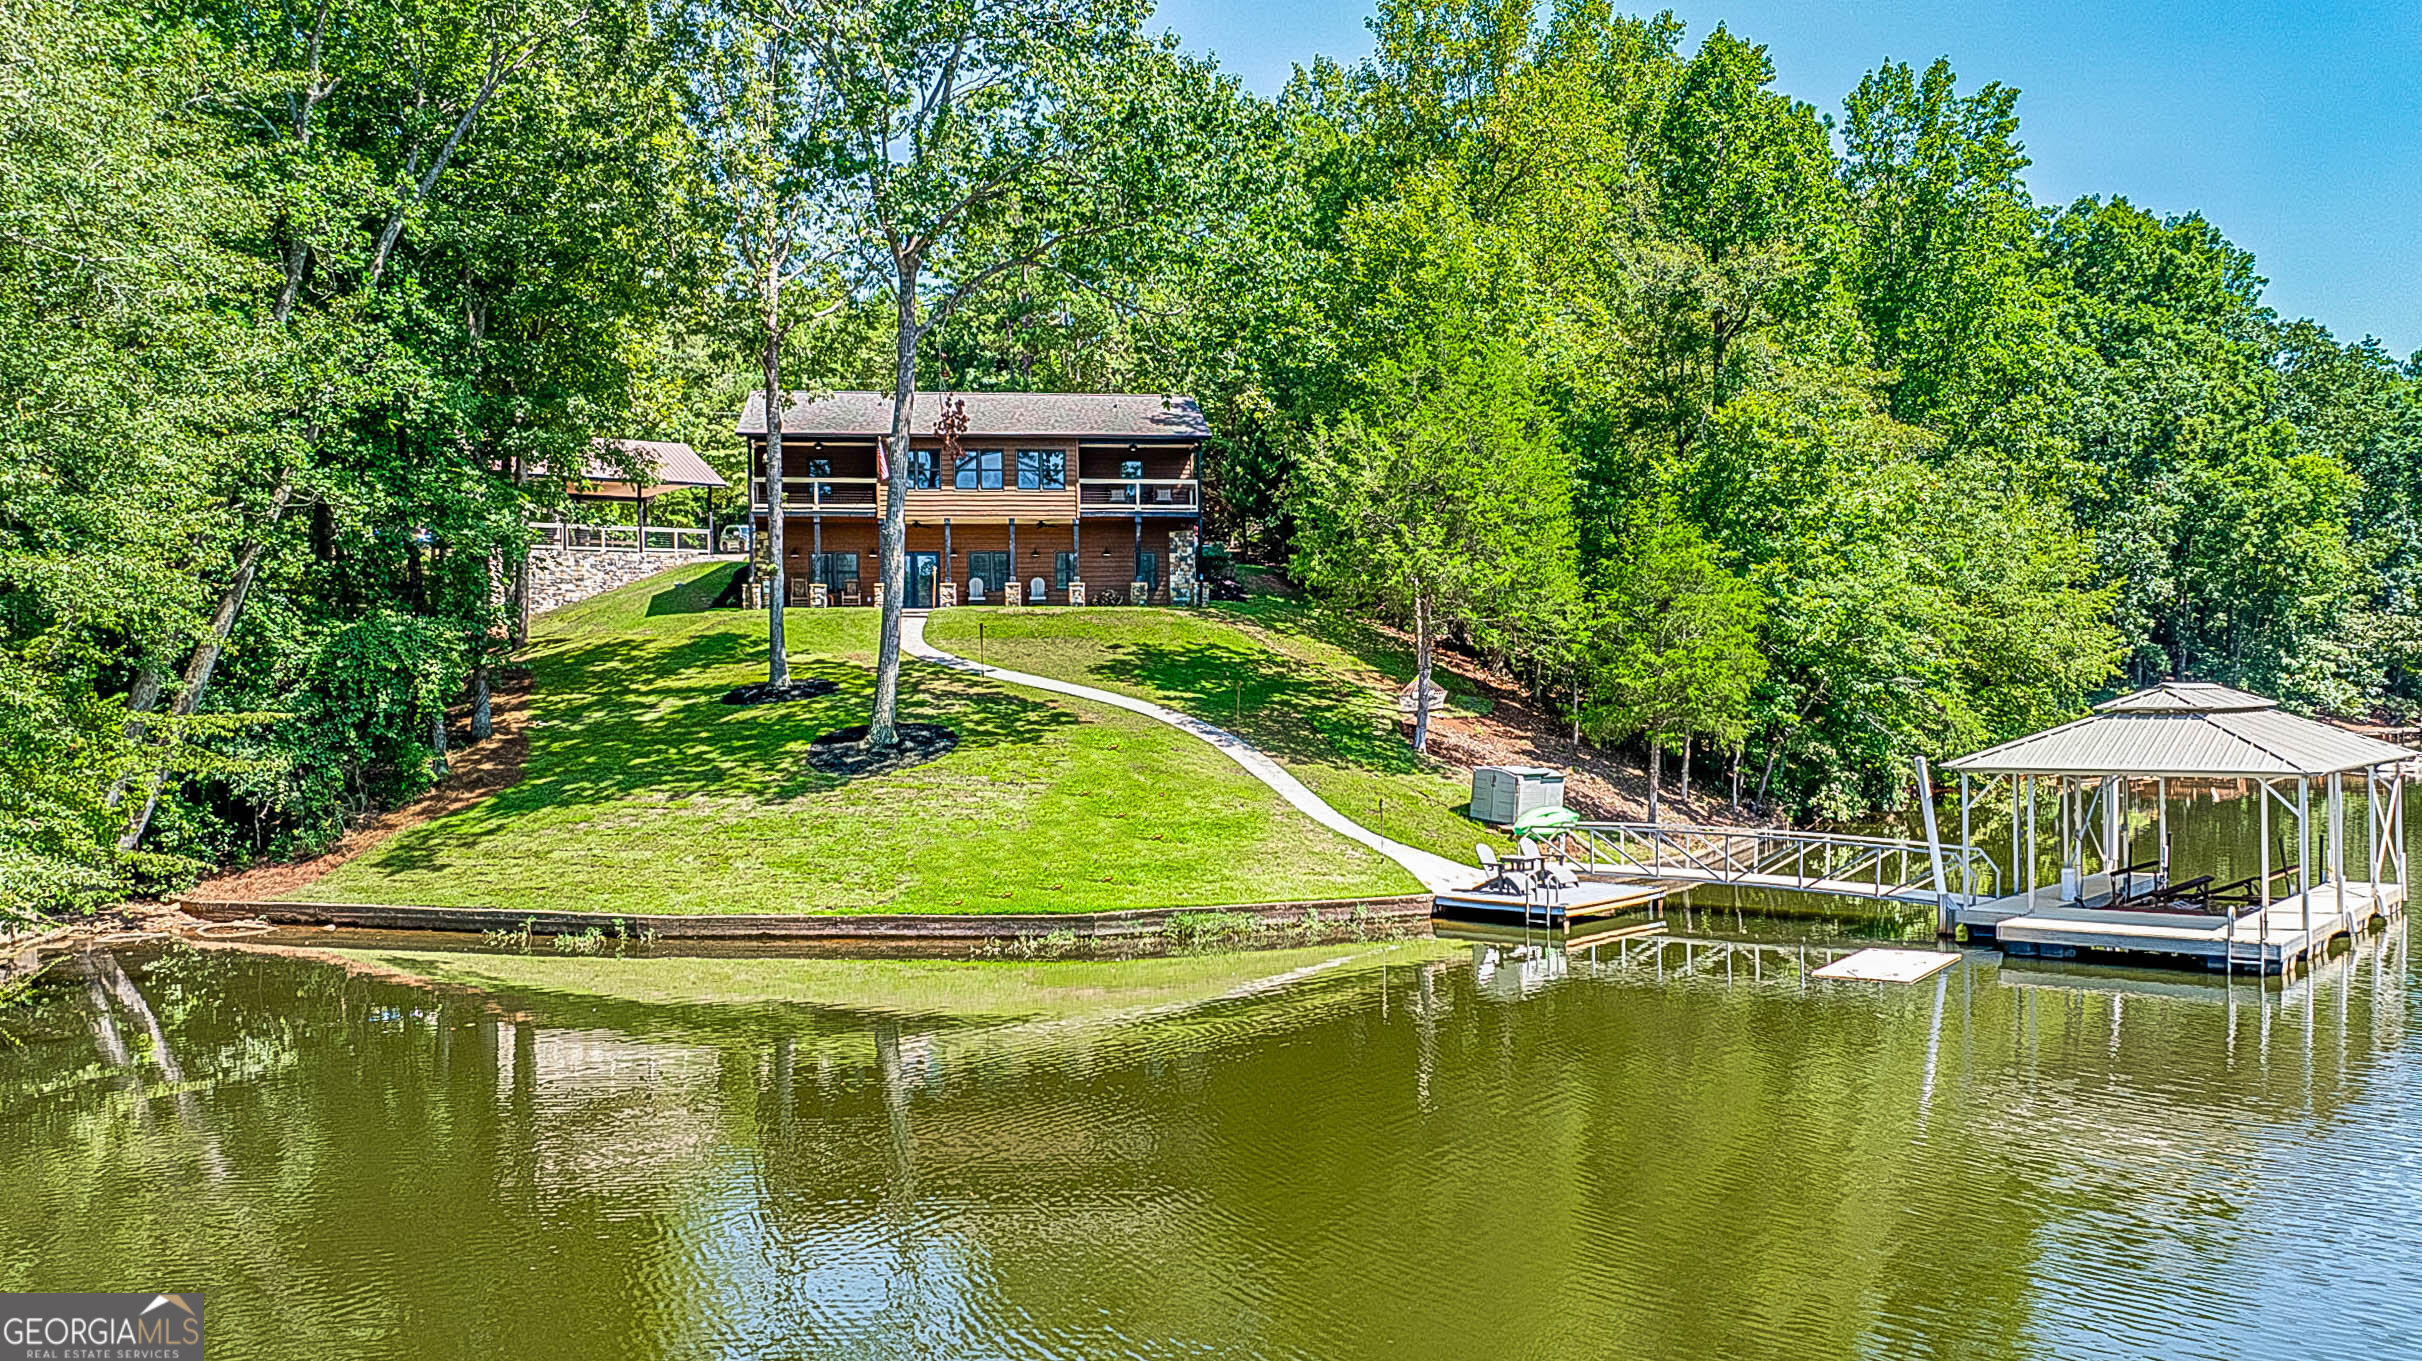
(1672, 647)
(1443, 504)
(974, 143)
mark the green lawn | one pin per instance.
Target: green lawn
(1311, 688)
(643, 793)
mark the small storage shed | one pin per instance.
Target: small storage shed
(1501, 794)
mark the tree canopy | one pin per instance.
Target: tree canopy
(1555, 335)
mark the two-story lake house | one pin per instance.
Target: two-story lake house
(1073, 497)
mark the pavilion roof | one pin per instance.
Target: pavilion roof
(672, 466)
(2184, 729)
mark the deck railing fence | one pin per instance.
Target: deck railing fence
(654, 539)
(1838, 863)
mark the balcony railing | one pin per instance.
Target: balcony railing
(630, 538)
(1139, 493)
(821, 494)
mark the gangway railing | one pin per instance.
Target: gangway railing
(1836, 863)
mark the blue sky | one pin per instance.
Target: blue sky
(2296, 128)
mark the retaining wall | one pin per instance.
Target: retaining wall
(561, 576)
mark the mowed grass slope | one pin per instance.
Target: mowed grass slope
(1313, 689)
(645, 793)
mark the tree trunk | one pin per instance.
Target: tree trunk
(1774, 752)
(437, 742)
(1576, 712)
(883, 730)
(1421, 674)
(140, 701)
(1656, 773)
(483, 714)
(1736, 782)
(777, 651)
(1685, 798)
(206, 655)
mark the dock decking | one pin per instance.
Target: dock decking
(1553, 907)
(2292, 931)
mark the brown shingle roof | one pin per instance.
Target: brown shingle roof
(990, 415)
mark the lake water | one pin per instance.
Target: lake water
(1409, 1149)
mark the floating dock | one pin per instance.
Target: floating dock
(1554, 906)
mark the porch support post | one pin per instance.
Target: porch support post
(642, 503)
(1013, 552)
(946, 567)
(1136, 571)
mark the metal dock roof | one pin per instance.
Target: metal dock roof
(2181, 728)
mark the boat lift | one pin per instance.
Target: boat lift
(2088, 775)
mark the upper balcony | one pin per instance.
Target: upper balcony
(1179, 496)
(998, 483)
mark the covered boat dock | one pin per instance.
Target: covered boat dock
(2112, 897)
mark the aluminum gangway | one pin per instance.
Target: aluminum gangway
(1839, 864)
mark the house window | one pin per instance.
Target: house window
(1131, 468)
(922, 471)
(821, 467)
(1063, 571)
(979, 470)
(838, 571)
(1042, 470)
(990, 568)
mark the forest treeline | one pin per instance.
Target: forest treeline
(1805, 440)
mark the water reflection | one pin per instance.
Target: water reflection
(1439, 1148)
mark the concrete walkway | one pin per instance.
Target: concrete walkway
(1436, 873)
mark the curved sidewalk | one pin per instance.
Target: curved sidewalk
(1436, 873)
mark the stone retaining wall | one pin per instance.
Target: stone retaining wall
(561, 576)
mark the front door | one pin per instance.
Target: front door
(924, 569)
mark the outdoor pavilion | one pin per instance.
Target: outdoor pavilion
(669, 466)
(2094, 768)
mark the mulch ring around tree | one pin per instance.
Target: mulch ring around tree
(766, 692)
(844, 750)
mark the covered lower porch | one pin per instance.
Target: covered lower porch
(832, 560)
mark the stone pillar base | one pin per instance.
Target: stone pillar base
(946, 595)
(1139, 592)
(817, 596)
(1076, 592)
(878, 594)
(1009, 595)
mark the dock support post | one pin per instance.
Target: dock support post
(2337, 833)
(2304, 851)
(2262, 924)
(2161, 825)
(2304, 835)
(1934, 848)
(2022, 874)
